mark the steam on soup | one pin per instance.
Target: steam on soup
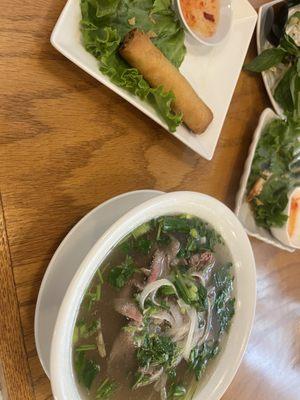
(154, 313)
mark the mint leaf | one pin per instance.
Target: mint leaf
(267, 59)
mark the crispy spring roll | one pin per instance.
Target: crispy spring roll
(139, 51)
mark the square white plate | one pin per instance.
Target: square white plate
(213, 72)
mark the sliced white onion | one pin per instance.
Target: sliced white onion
(152, 378)
(152, 288)
(184, 308)
(211, 299)
(164, 316)
(178, 320)
(200, 276)
(189, 341)
(179, 333)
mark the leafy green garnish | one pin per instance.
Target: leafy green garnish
(267, 59)
(201, 235)
(225, 311)
(176, 391)
(86, 370)
(287, 91)
(140, 379)
(157, 351)
(85, 330)
(222, 278)
(106, 389)
(282, 93)
(141, 230)
(224, 303)
(118, 276)
(200, 356)
(138, 240)
(274, 153)
(191, 292)
(91, 297)
(104, 25)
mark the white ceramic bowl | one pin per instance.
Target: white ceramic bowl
(213, 385)
(223, 27)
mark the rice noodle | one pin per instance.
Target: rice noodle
(152, 379)
(179, 333)
(164, 316)
(211, 299)
(152, 288)
(160, 386)
(176, 315)
(189, 341)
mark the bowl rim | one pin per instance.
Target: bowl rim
(62, 377)
(201, 39)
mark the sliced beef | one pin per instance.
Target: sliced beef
(158, 266)
(122, 356)
(172, 250)
(129, 309)
(201, 260)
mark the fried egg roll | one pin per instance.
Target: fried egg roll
(139, 51)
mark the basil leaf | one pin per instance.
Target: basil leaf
(267, 59)
(282, 93)
(288, 44)
(86, 369)
(120, 275)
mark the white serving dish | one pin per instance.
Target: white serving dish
(219, 216)
(223, 28)
(213, 72)
(71, 252)
(261, 41)
(243, 210)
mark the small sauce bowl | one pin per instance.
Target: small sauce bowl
(223, 26)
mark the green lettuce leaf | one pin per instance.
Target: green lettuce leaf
(104, 25)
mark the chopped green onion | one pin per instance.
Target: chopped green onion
(106, 389)
(141, 230)
(86, 347)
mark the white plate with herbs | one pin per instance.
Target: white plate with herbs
(278, 61)
(269, 222)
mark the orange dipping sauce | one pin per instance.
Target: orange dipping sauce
(202, 16)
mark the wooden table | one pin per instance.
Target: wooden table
(67, 144)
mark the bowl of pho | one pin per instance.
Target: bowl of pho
(161, 307)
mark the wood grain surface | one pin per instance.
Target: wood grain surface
(67, 144)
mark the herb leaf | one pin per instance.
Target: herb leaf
(265, 60)
(200, 356)
(274, 153)
(282, 93)
(86, 369)
(120, 275)
(157, 350)
(106, 389)
(176, 391)
(224, 304)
